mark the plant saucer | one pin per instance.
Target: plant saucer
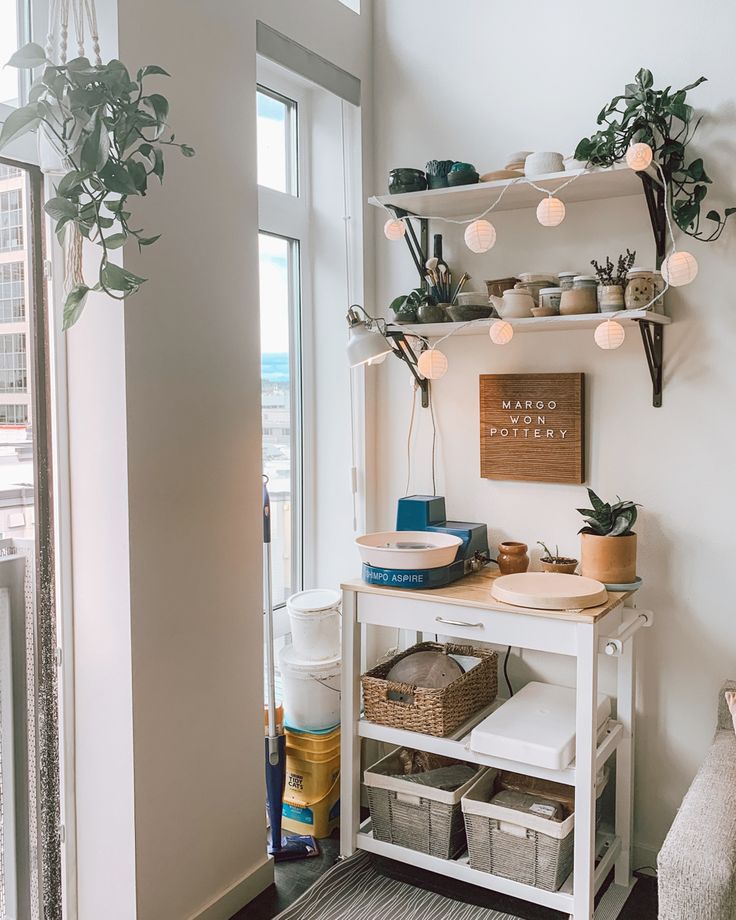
(633, 586)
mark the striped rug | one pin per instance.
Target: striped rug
(354, 890)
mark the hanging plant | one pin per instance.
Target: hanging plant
(110, 134)
(664, 120)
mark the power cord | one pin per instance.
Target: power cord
(506, 671)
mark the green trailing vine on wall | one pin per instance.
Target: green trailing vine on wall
(664, 120)
(109, 133)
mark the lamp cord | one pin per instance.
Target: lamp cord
(434, 439)
(408, 438)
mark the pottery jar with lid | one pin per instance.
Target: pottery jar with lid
(566, 280)
(549, 297)
(533, 283)
(639, 288)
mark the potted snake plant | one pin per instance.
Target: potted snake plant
(607, 541)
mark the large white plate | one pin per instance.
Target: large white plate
(549, 591)
(408, 549)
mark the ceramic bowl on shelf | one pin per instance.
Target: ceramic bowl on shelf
(539, 312)
(472, 299)
(462, 174)
(467, 312)
(406, 180)
(497, 174)
(408, 549)
(517, 159)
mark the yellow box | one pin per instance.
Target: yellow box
(318, 818)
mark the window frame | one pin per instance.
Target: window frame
(288, 216)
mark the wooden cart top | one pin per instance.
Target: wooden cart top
(475, 591)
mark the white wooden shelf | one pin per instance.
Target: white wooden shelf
(534, 324)
(608, 848)
(459, 747)
(468, 200)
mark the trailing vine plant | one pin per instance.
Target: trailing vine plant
(664, 120)
(110, 133)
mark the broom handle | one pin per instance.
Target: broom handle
(268, 625)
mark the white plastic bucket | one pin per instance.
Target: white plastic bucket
(315, 624)
(311, 691)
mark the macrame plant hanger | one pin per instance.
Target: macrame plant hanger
(53, 162)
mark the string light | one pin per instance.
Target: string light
(480, 236)
(432, 364)
(609, 335)
(639, 156)
(680, 268)
(394, 228)
(550, 212)
(501, 332)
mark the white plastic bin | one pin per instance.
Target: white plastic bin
(311, 691)
(315, 624)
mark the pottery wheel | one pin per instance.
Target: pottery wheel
(549, 591)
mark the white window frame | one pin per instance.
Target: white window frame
(287, 215)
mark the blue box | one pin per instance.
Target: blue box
(420, 512)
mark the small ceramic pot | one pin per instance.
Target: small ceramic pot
(610, 298)
(578, 300)
(512, 558)
(550, 298)
(566, 280)
(462, 174)
(406, 316)
(496, 287)
(432, 313)
(639, 289)
(437, 171)
(564, 568)
(659, 286)
(467, 312)
(539, 164)
(406, 180)
(611, 560)
(534, 287)
(515, 304)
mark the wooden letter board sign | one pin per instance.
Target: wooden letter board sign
(532, 427)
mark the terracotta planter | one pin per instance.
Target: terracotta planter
(564, 568)
(611, 560)
(512, 558)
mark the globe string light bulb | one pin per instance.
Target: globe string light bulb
(501, 332)
(432, 364)
(609, 335)
(480, 236)
(394, 228)
(639, 156)
(550, 212)
(679, 268)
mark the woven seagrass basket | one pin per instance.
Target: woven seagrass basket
(432, 712)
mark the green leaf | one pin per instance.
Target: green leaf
(118, 279)
(19, 122)
(59, 208)
(713, 215)
(70, 185)
(158, 163)
(693, 85)
(597, 503)
(116, 240)
(30, 55)
(96, 148)
(74, 304)
(397, 303)
(187, 150)
(147, 240)
(152, 69)
(159, 105)
(729, 211)
(644, 78)
(138, 174)
(117, 179)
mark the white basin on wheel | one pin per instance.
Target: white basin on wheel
(408, 549)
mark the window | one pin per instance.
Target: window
(13, 363)
(13, 414)
(277, 137)
(11, 220)
(282, 244)
(12, 292)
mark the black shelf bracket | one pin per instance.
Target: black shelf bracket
(652, 336)
(404, 351)
(654, 196)
(417, 247)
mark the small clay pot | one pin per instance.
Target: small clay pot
(610, 298)
(611, 560)
(432, 313)
(512, 557)
(564, 568)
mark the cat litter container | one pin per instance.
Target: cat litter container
(312, 765)
(315, 624)
(311, 691)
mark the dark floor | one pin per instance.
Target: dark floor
(292, 879)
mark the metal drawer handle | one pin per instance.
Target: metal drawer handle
(458, 623)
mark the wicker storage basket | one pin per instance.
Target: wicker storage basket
(415, 816)
(432, 712)
(526, 848)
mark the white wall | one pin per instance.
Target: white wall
(166, 492)
(476, 84)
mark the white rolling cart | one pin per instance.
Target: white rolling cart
(465, 610)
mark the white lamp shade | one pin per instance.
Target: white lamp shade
(501, 332)
(550, 212)
(639, 156)
(609, 335)
(394, 228)
(432, 364)
(480, 236)
(679, 268)
(366, 345)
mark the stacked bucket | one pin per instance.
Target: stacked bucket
(310, 677)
